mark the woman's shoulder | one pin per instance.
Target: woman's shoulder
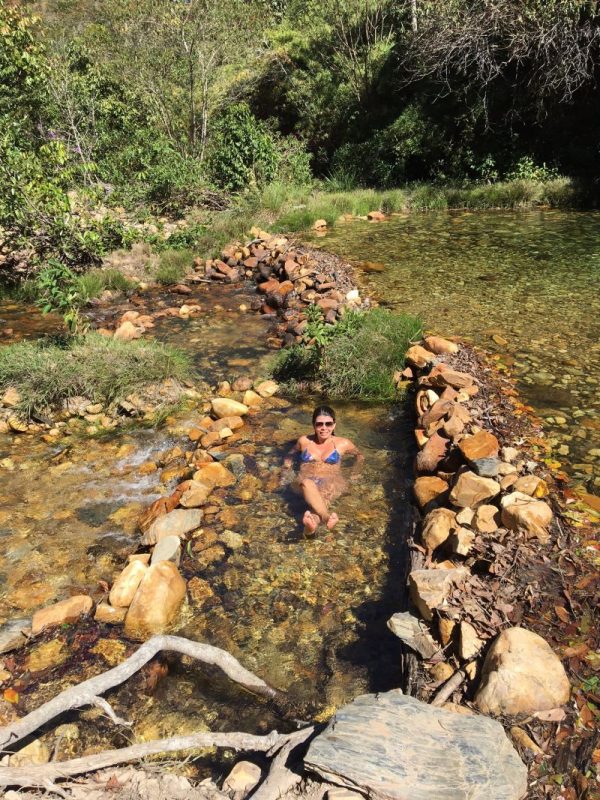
(344, 445)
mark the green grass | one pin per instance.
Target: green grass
(47, 372)
(173, 266)
(355, 361)
(94, 282)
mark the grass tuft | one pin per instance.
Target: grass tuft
(94, 282)
(173, 266)
(47, 372)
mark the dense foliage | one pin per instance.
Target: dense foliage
(139, 108)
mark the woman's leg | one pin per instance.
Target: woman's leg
(315, 502)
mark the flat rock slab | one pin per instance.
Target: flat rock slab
(393, 746)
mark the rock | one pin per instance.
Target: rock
(449, 377)
(481, 445)
(36, 752)
(509, 454)
(531, 485)
(521, 675)
(446, 628)
(486, 467)
(471, 490)
(429, 488)
(520, 512)
(175, 523)
(199, 590)
(242, 779)
(214, 474)
(17, 425)
(157, 601)
(209, 439)
(252, 399)
(429, 588)
(419, 357)
(376, 216)
(69, 610)
(168, 549)
(110, 614)
(413, 632)
(441, 671)
(195, 495)
(393, 747)
(430, 456)
(232, 539)
(126, 585)
(13, 634)
(486, 519)
(461, 541)
(469, 643)
(439, 346)
(508, 480)
(267, 388)
(225, 407)
(241, 384)
(437, 527)
(320, 224)
(336, 793)
(465, 516)
(48, 654)
(10, 398)
(127, 331)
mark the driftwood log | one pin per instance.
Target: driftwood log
(89, 693)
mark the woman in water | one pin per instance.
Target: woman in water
(320, 480)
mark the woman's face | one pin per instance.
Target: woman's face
(324, 427)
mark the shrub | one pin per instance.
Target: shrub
(104, 369)
(244, 153)
(173, 265)
(96, 281)
(354, 359)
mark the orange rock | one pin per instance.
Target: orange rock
(126, 585)
(431, 455)
(68, 610)
(376, 216)
(481, 445)
(214, 474)
(419, 357)
(157, 602)
(429, 488)
(439, 345)
(471, 490)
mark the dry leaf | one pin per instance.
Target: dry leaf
(579, 650)
(562, 613)
(11, 696)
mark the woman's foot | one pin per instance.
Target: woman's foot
(332, 521)
(311, 521)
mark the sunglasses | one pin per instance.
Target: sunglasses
(324, 424)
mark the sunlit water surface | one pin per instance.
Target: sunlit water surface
(524, 285)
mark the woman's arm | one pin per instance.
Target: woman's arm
(288, 461)
(351, 449)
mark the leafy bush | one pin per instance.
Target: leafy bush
(244, 153)
(353, 359)
(526, 169)
(94, 366)
(173, 265)
(58, 291)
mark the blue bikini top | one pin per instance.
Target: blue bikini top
(332, 458)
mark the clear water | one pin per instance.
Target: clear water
(531, 279)
(307, 616)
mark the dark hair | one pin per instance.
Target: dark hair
(325, 410)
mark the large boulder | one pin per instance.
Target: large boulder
(480, 445)
(175, 523)
(393, 747)
(521, 675)
(471, 490)
(520, 512)
(157, 601)
(214, 474)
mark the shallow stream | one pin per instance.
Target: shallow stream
(307, 616)
(525, 285)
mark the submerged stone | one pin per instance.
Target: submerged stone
(394, 747)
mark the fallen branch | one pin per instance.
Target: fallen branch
(88, 692)
(44, 775)
(450, 686)
(280, 778)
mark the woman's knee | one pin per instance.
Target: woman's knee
(305, 483)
